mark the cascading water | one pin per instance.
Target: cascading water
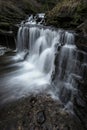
(42, 47)
(35, 58)
(69, 70)
(40, 53)
(39, 44)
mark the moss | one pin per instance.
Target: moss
(47, 4)
(67, 14)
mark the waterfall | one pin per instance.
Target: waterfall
(40, 45)
(70, 69)
(47, 60)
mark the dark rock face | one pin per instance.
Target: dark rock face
(64, 95)
(8, 37)
(80, 103)
(82, 28)
(8, 40)
(81, 42)
(81, 36)
(41, 117)
(44, 114)
(80, 97)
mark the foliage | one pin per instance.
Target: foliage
(68, 13)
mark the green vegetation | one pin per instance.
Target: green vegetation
(68, 14)
(48, 4)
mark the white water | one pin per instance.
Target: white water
(36, 54)
(71, 68)
(41, 45)
(3, 50)
(35, 60)
(33, 20)
(38, 47)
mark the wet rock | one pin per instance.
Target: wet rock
(65, 95)
(41, 117)
(8, 40)
(81, 42)
(33, 100)
(80, 103)
(82, 28)
(46, 114)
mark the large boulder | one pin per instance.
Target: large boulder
(37, 113)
